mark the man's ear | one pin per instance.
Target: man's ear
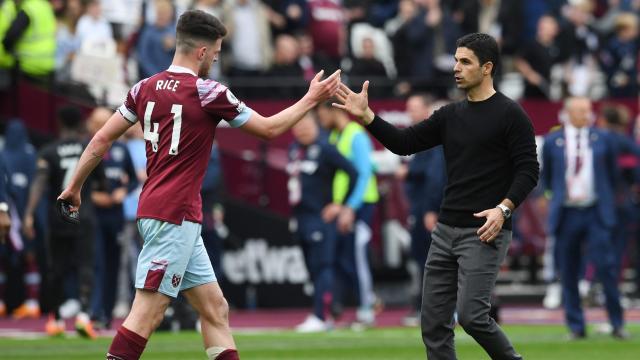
(487, 68)
(202, 52)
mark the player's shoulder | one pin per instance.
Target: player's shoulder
(209, 90)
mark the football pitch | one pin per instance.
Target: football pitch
(548, 342)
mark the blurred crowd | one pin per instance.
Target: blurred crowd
(551, 48)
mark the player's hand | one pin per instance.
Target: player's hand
(5, 225)
(72, 198)
(355, 104)
(346, 219)
(490, 230)
(320, 91)
(27, 227)
(330, 212)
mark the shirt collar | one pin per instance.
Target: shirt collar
(180, 69)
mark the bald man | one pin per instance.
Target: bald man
(580, 172)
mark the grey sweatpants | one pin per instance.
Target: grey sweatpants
(459, 275)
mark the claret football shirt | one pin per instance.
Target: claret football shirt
(178, 113)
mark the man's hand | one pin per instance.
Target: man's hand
(118, 195)
(330, 212)
(492, 227)
(5, 225)
(355, 104)
(430, 220)
(72, 198)
(28, 228)
(320, 91)
(346, 219)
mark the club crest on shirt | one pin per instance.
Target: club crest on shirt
(233, 100)
(175, 280)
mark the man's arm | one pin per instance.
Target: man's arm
(15, 31)
(5, 219)
(522, 151)
(272, 126)
(36, 190)
(407, 141)
(92, 155)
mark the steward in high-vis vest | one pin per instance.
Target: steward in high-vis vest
(29, 38)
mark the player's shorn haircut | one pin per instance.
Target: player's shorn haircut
(484, 46)
(196, 26)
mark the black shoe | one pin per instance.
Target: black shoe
(620, 334)
(577, 335)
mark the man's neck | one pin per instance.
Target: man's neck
(183, 61)
(482, 91)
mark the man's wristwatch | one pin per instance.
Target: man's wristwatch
(4, 207)
(506, 212)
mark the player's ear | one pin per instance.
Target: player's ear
(202, 52)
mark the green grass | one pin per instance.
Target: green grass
(534, 342)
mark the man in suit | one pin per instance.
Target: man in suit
(579, 171)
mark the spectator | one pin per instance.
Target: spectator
(368, 67)
(312, 61)
(580, 43)
(92, 26)
(157, 42)
(619, 57)
(250, 41)
(431, 36)
(66, 39)
(327, 28)
(397, 30)
(286, 69)
(536, 59)
(287, 16)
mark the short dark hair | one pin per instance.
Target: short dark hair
(484, 46)
(197, 25)
(70, 117)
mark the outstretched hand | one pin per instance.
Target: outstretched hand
(321, 90)
(357, 104)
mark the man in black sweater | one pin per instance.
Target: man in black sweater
(491, 160)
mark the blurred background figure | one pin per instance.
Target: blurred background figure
(353, 214)
(537, 58)
(580, 169)
(157, 41)
(312, 166)
(19, 158)
(69, 246)
(121, 179)
(424, 179)
(619, 57)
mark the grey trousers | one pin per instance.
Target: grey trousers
(459, 275)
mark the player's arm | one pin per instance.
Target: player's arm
(36, 190)
(272, 126)
(92, 155)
